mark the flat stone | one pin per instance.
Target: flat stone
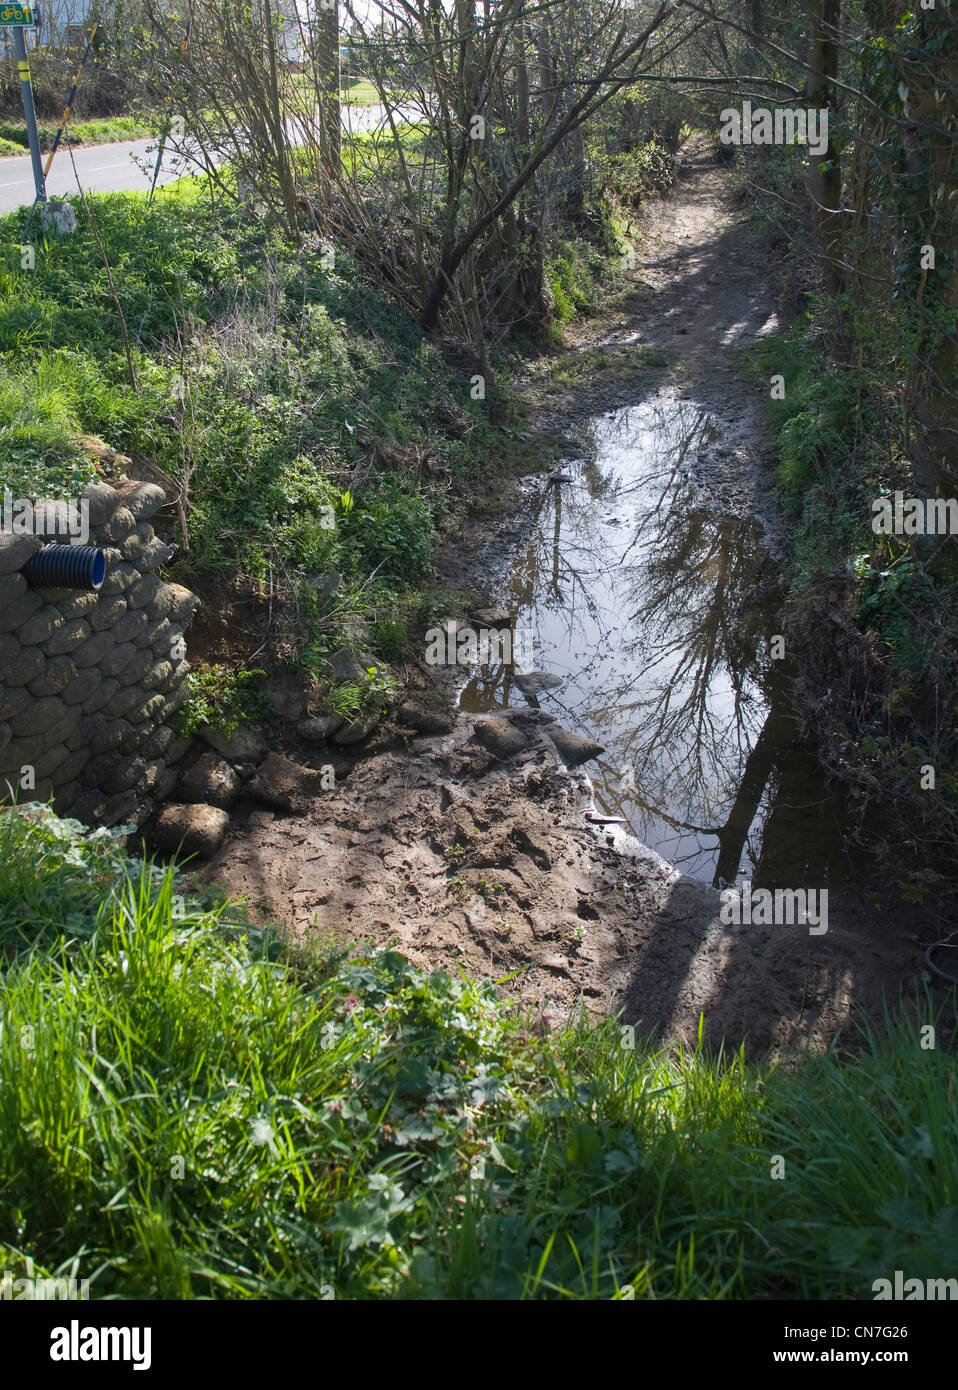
(131, 624)
(41, 627)
(157, 744)
(13, 699)
(573, 748)
(122, 702)
(15, 551)
(82, 688)
(120, 578)
(136, 774)
(121, 523)
(68, 637)
(500, 737)
(108, 611)
(281, 783)
(245, 744)
(210, 781)
(535, 682)
(174, 602)
(19, 666)
(14, 615)
(12, 587)
(115, 659)
(144, 591)
(142, 499)
(103, 501)
(73, 605)
(57, 675)
(93, 651)
(158, 634)
(39, 716)
(101, 692)
(165, 784)
(136, 543)
(191, 829)
(156, 554)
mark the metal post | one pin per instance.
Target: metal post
(29, 111)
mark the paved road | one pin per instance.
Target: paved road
(112, 168)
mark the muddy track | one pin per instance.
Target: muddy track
(463, 859)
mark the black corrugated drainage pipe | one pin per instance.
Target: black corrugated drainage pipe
(66, 567)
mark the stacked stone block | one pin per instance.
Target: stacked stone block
(90, 682)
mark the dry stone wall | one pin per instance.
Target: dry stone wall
(90, 681)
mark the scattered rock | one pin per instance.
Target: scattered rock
(319, 729)
(356, 730)
(210, 781)
(491, 617)
(573, 748)
(58, 217)
(280, 782)
(244, 744)
(350, 665)
(500, 737)
(191, 829)
(523, 715)
(535, 682)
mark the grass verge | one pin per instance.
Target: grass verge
(186, 1111)
(108, 130)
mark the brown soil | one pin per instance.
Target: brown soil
(464, 861)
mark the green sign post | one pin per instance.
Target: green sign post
(18, 18)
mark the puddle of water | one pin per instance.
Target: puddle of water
(658, 613)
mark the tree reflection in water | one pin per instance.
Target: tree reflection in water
(658, 612)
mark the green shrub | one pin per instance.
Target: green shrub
(220, 697)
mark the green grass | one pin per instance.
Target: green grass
(361, 93)
(185, 1112)
(96, 131)
(294, 372)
